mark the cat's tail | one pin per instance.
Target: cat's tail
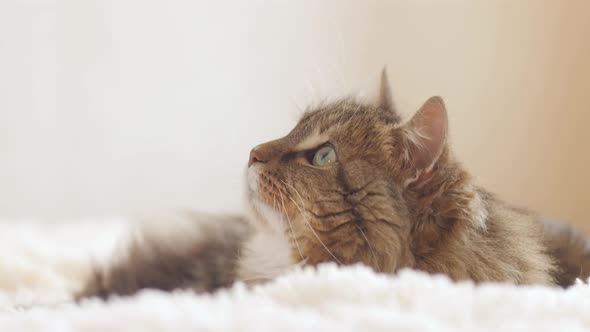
(186, 251)
(570, 248)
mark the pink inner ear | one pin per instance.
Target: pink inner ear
(428, 128)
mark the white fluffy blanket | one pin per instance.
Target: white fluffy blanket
(41, 264)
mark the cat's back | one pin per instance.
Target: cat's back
(558, 250)
(515, 243)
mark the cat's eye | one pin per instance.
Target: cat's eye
(324, 156)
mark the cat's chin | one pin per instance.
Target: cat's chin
(266, 214)
(262, 212)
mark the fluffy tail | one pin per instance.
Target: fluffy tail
(190, 251)
(571, 250)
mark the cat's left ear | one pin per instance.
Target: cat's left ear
(385, 100)
(426, 134)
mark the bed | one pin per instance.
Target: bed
(42, 263)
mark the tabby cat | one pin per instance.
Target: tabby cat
(353, 183)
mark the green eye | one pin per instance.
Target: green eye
(324, 156)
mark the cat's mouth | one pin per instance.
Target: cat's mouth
(264, 188)
(271, 213)
(252, 177)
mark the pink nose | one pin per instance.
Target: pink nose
(257, 156)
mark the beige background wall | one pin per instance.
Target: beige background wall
(116, 107)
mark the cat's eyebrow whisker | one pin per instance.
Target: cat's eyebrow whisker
(290, 224)
(344, 108)
(355, 111)
(300, 109)
(307, 221)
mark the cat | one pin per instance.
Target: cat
(353, 183)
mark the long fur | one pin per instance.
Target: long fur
(395, 197)
(187, 250)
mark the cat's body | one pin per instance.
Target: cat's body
(353, 184)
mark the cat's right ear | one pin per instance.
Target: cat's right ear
(385, 100)
(425, 135)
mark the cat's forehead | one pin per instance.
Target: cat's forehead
(342, 115)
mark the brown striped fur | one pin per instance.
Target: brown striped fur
(395, 197)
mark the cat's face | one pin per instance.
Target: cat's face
(335, 184)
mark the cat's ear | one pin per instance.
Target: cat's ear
(385, 100)
(426, 134)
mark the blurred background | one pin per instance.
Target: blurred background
(116, 107)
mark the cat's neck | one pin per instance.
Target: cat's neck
(462, 231)
(267, 253)
(264, 256)
(443, 200)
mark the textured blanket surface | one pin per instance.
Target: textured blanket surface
(41, 264)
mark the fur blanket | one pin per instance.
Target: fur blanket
(41, 264)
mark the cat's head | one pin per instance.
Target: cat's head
(336, 185)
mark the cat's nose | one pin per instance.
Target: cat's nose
(266, 152)
(257, 155)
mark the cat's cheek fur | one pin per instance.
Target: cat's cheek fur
(265, 256)
(267, 253)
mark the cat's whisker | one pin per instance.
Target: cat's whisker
(290, 224)
(274, 207)
(355, 111)
(307, 221)
(369, 244)
(342, 114)
(299, 108)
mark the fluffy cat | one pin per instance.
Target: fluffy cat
(352, 183)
